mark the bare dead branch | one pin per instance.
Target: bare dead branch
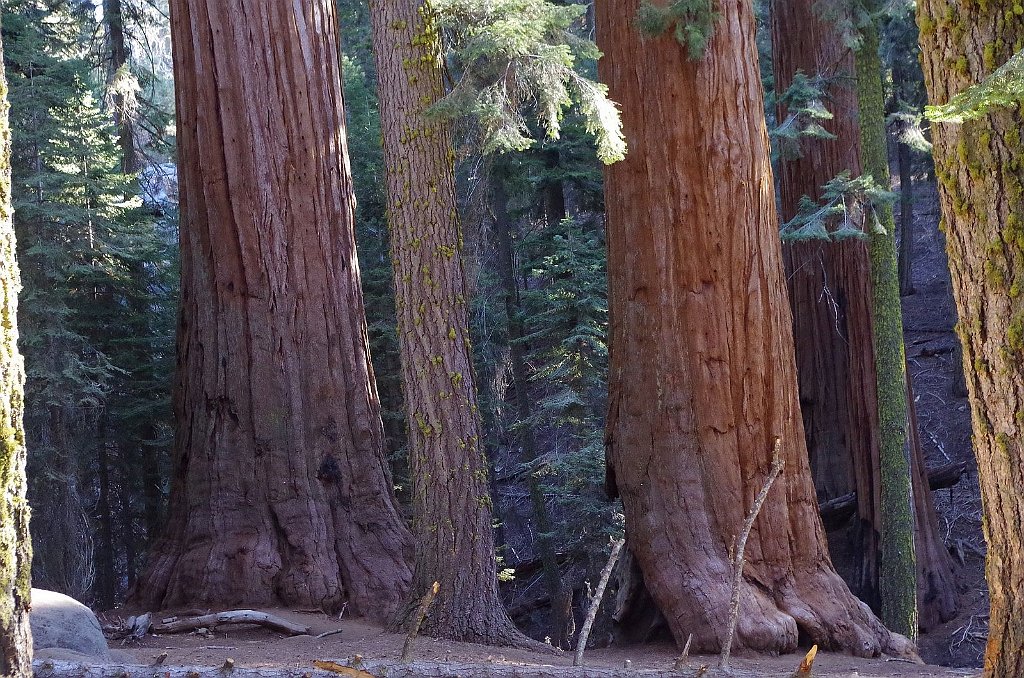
(595, 603)
(741, 544)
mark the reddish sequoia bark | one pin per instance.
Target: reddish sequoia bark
(980, 168)
(830, 292)
(937, 597)
(702, 372)
(452, 524)
(281, 492)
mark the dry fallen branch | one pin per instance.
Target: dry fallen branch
(342, 669)
(681, 661)
(595, 603)
(741, 544)
(231, 617)
(806, 666)
(421, 613)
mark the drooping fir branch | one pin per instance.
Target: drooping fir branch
(1004, 87)
(849, 208)
(691, 22)
(805, 109)
(908, 129)
(520, 59)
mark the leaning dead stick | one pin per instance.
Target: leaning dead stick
(807, 665)
(421, 613)
(595, 603)
(741, 545)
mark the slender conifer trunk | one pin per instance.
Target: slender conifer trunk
(452, 507)
(898, 565)
(15, 546)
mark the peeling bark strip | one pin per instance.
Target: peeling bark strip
(702, 370)
(281, 492)
(451, 504)
(15, 544)
(980, 168)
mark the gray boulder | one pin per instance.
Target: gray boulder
(59, 621)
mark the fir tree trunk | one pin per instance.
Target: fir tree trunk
(898, 566)
(105, 571)
(114, 18)
(452, 508)
(980, 168)
(702, 372)
(15, 546)
(281, 493)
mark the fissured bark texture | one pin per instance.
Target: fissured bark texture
(830, 292)
(15, 544)
(452, 507)
(702, 370)
(980, 168)
(281, 493)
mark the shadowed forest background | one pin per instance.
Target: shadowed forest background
(560, 210)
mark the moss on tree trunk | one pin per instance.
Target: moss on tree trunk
(980, 169)
(451, 504)
(15, 547)
(898, 568)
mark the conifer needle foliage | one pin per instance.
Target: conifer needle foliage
(691, 22)
(518, 59)
(1005, 87)
(804, 102)
(848, 209)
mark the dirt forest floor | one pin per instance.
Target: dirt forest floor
(256, 647)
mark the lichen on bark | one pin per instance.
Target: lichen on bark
(15, 546)
(980, 169)
(898, 567)
(452, 511)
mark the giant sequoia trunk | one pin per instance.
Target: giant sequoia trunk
(281, 491)
(702, 370)
(452, 508)
(15, 549)
(980, 167)
(830, 292)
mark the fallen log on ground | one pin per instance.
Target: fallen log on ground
(180, 625)
(377, 668)
(835, 512)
